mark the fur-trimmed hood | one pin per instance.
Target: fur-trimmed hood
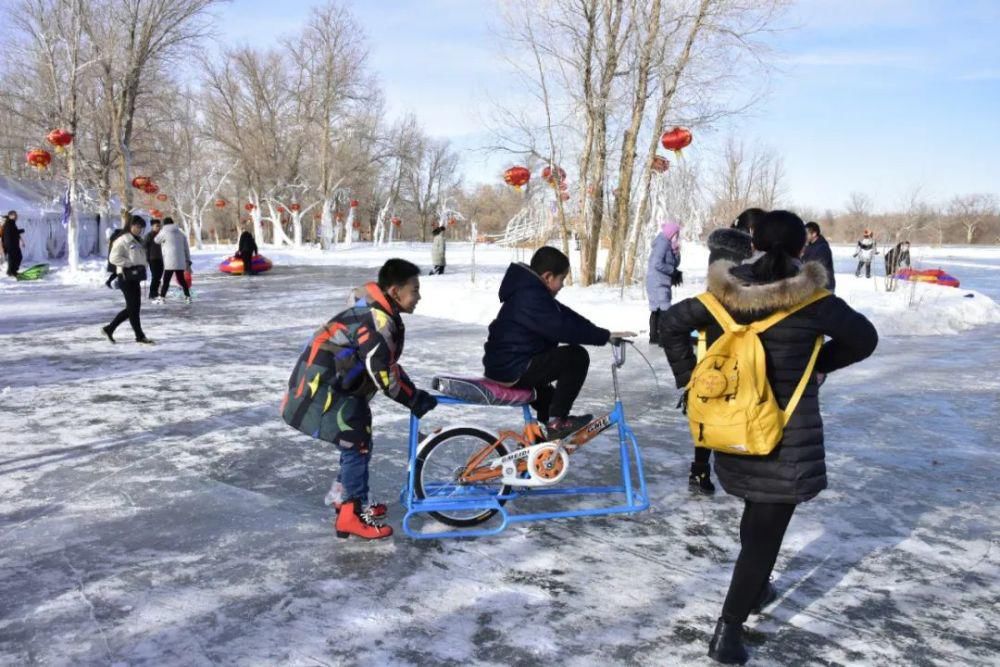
(733, 286)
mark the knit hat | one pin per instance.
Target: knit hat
(780, 232)
(671, 230)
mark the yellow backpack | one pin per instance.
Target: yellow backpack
(730, 405)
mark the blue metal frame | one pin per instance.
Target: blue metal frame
(635, 499)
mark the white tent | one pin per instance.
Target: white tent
(40, 214)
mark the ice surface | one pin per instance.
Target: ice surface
(155, 510)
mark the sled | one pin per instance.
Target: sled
(36, 272)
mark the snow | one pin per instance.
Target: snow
(154, 509)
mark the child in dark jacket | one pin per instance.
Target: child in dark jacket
(523, 348)
(348, 360)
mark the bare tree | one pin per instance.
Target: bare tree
(972, 211)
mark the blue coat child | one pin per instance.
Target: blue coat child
(662, 273)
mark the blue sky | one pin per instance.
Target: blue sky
(878, 96)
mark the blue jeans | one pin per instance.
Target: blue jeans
(353, 473)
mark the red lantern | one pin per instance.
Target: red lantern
(161, 197)
(676, 139)
(248, 207)
(295, 208)
(452, 222)
(151, 188)
(356, 224)
(39, 158)
(517, 177)
(660, 164)
(396, 221)
(281, 209)
(354, 203)
(60, 139)
(156, 213)
(220, 203)
(339, 216)
(553, 176)
(139, 182)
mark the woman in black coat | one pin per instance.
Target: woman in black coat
(11, 243)
(771, 486)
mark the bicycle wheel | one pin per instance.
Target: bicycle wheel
(443, 459)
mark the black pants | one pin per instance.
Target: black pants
(868, 268)
(702, 455)
(654, 327)
(14, 259)
(167, 275)
(155, 273)
(247, 259)
(762, 529)
(437, 270)
(133, 298)
(567, 366)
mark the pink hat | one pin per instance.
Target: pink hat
(671, 230)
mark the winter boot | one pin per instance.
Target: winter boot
(145, 341)
(768, 595)
(699, 480)
(374, 511)
(560, 427)
(351, 522)
(107, 334)
(727, 644)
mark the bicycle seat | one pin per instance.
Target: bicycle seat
(482, 391)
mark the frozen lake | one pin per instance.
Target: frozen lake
(155, 510)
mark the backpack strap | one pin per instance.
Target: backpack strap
(760, 326)
(793, 402)
(718, 311)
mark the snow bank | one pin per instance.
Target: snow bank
(912, 310)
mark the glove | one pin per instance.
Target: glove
(422, 404)
(676, 278)
(682, 403)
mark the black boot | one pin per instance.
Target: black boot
(699, 480)
(654, 327)
(727, 644)
(768, 595)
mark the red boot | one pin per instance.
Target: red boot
(375, 511)
(351, 522)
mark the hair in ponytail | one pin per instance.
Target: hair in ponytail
(781, 235)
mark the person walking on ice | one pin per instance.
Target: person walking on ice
(437, 250)
(784, 305)
(176, 257)
(128, 255)
(865, 251)
(348, 360)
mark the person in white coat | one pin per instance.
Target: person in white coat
(176, 257)
(128, 255)
(437, 250)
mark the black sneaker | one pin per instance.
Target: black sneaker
(145, 341)
(107, 334)
(560, 427)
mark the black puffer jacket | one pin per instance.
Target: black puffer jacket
(795, 471)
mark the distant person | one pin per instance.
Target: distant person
(128, 255)
(154, 255)
(795, 471)
(662, 274)
(437, 250)
(818, 250)
(865, 250)
(246, 249)
(12, 243)
(897, 258)
(176, 257)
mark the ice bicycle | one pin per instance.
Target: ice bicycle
(463, 476)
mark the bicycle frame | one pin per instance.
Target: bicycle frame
(635, 498)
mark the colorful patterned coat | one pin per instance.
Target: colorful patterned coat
(348, 360)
